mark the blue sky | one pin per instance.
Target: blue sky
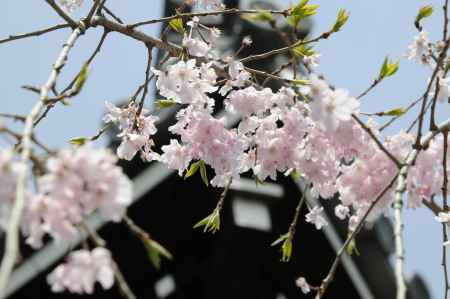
(350, 59)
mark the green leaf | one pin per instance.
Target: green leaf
(286, 247)
(282, 238)
(203, 173)
(302, 50)
(78, 140)
(262, 16)
(395, 112)
(177, 25)
(424, 12)
(301, 11)
(162, 104)
(341, 19)
(211, 223)
(81, 78)
(388, 68)
(193, 169)
(351, 248)
(156, 252)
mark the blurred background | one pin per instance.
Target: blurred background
(350, 59)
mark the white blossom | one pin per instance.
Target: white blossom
(336, 106)
(341, 211)
(314, 216)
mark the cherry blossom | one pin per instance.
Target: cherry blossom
(136, 130)
(419, 48)
(315, 217)
(341, 211)
(312, 60)
(79, 181)
(238, 76)
(334, 107)
(82, 270)
(186, 83)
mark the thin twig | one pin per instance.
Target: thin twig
(173, 49)
(18, 138)
(276, 72)
(378, 142)
(208, 13)
(148, 78)
(331, 273)
(414, 122)
(433, 105)
(14, 116)
(31, 88)
(62, 13)
(387, 124)
(372, 86)
(441, 58)
(293, 225)
(112, 15)
(271, 76)
(284, 49)
(34, 33)
(93, 9)
(445, 9)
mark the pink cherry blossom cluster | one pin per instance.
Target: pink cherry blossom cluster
(79, 181)
(82, 270)
(136, 130)
(279, 132)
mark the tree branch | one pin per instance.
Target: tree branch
(173, 49)
(12, 232)
(34, 33)
(62, 13)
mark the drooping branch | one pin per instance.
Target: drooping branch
(398, 204)
(400, 182)
(12, 232)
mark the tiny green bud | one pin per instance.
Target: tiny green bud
(388, 68)
(341, 19)
(177, 25)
